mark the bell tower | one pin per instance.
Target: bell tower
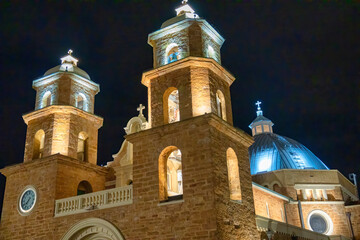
(63, 121)
(191, 152)
(188, 79)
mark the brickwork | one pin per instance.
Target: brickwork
(62, 125)
(276, 205)
(197, 81)
(336, 213)
(355, 219)
(191, 38)
(64, 88)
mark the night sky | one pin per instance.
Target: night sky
(300, 58)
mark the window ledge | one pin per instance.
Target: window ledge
(236, 201)
(171, 202)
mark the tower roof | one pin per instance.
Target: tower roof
(68, 64)
(182, 12)
(272, 152)
(260, 124)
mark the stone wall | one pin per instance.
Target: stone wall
(355, 219)
(206, 211)
(276, 205)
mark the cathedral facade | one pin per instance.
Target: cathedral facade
(183, 173)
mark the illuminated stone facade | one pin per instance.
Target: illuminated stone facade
(60, 193)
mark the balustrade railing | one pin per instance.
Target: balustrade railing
(92, 201)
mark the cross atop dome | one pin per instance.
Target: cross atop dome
(185, 2)
(259, 112)
(69, 59)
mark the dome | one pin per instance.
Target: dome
(272, 152)
(183, 12)
(74, 69)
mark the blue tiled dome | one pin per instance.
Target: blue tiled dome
(273, 152)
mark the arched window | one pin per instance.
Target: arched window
(81, 101)
(84, 187)
(220, 104)
(170, 174)
(82, 148)
(39, 142)
(211, 52)
(171, 105)
(233, 175)
(46, 100)
(172, 53)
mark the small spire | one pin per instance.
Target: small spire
(69, 60)
(258, 112)
(186, 10)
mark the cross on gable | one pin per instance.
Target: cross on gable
(140, 109)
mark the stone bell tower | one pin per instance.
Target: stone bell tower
(191, 152)
(63, 121)
(187, 60)
(60, 152)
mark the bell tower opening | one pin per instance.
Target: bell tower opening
(220, 104)
(84, 187)
(46, 100)
(171, 105)
(170, 174)
(82, 149)
(172, 53)
(39, 142)
(80, 101)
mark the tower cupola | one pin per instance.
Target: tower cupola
(261, 124)
(183, 36)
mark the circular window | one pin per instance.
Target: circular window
(320, 222)
(27, 200)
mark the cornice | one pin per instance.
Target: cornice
(62, 109)
(209, 63)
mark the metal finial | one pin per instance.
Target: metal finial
(185, 2)
(70, 52)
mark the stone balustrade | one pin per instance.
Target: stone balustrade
(98, 200)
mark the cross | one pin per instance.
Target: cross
(258, 104)
(184, 2)
(140, 109)
(70, 52)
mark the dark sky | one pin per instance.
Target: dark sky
(300, 58)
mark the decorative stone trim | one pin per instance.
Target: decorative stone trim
(94, 201)
(96, 227)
